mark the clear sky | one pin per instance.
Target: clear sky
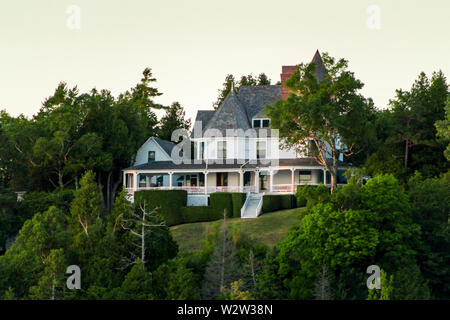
(191, 45)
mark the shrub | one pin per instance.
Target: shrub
(346, 197)
(170, 203)
(309, 196)
(303, 193)
(220, 201)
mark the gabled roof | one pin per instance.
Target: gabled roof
(167, 146)
(231, 114)
(255, 98)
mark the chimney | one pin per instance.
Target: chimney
(286, 73)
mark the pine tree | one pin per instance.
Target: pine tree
(173, 119)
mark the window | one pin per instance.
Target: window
(221, 149)
(142, 181)
(202, 150)
(157, 181)
(305, 175)
(129, 180)
(260, 150)
(222, 179)
(151, 156)
(261, 123)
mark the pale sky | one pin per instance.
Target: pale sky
(192, 45)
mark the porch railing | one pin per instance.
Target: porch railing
(276, 188)
(283, 188)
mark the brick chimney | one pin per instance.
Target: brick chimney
(286, 73)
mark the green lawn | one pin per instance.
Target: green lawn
(269, 228)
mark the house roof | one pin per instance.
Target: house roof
(238, 109)
(236, 164)
(231, 114)
(167, 146)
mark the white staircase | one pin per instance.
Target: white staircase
(252, 206)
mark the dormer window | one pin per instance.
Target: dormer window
(261, 123)
(151, 156)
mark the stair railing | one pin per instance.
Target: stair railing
(244, 207)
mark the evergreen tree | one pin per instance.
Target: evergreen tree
(51, 285)
(86, 207)
(172, 120)
(137, 284)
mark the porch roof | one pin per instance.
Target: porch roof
(236, 164)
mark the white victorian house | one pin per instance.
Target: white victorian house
(235, 150)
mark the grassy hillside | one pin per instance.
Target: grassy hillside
(269, 228)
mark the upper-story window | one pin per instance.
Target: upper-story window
(260, 150)
(221, 149)
(151, 156)
(201, 151)
(261, 123)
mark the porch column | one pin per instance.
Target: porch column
(206, 182)
(135, 181)
(170, 180)
(324, 176)
(257, 181)
(293, 180)
(241, 181)
(271, 180)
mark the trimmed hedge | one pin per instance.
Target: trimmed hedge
(170, 203)
(273, 202)
(238, 200)
(174, 211)
(220, 201)
(288, 201)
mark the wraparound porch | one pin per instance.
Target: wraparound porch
(262, 180)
